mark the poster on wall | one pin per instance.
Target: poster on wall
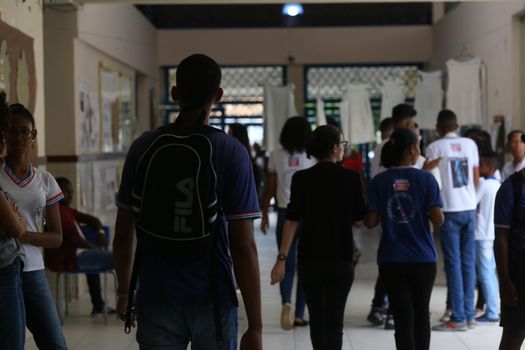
(17, 66)
(104, 186)
(89, 119)
(128, 121)
(110, 109)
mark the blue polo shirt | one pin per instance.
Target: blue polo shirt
(168, 282)
(505, 216)
(402, 197)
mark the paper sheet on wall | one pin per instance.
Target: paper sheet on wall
(89, 119)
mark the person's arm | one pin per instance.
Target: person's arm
(278, 271)
(96, 223)
(52, 236)
(475, 172)
(372, 219)
(123, 249)
(270, 189)
(246, 266)
(508, 293)
(436, 216)
(12, 224)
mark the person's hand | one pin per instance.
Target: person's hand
(508, 293)
(251, 340)
(102, 241)
(122, 309)
(431, 164)
(277, 272)
(264, 223)
(359, 224)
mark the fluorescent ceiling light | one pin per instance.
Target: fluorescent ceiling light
(292, 9)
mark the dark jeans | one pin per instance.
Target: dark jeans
(12, 312)
(95, 259)
(41, 313)
(409, 288)
(326, 285)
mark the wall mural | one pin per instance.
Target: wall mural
(17, 66)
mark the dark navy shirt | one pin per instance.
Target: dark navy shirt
(168, 282)
(505, 215)
(402, 197)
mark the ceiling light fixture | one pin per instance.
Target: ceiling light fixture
(292, 9)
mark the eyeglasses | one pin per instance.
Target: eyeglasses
(344, 144)
(24, 132)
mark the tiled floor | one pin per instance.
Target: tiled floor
(84, 333)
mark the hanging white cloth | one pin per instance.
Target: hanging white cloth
(392, 94)
(464, 93)
(279, 105)
(428, 99)
(320, 114)
(357, 123)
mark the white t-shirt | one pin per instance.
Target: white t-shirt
(456, 169)
(486, 195)
(32, 195)
(377, 168)
(285, 165)
(510, 168)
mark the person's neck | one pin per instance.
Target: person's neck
(330, 159)
(189, 116)
(518, 159)
(19, 164)
(405, 163)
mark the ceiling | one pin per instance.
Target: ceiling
(269, 15)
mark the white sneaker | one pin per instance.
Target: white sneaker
(446, 316)
(286, 319)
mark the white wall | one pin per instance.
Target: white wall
(306, 45)
(27, 17)
(488, 30)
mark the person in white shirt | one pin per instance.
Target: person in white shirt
(485, 261)
(459, 172)
(516, 147)
(37, 195)
(283, 164)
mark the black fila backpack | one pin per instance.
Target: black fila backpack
(175, 196)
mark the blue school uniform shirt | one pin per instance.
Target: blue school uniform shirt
(505, 216)
(402, 197)
(183, 283)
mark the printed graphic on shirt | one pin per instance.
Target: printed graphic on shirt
(400, 206)
(456, 147)
(294, 162)
(459, 169)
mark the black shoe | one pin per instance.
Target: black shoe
(376, 316)
(389, 324)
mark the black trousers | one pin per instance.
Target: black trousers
(326, 285)
(95, 290)
(409, 288)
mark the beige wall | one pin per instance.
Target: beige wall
(27, 17)
(306, 45)
(486, 29)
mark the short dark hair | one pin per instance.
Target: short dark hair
(402, 111)
(491, 159)
(18, 109)
(481, 138)
(197, 77)
(62, 181)
(386, 124)
(322, 142)
(395, 148)
(295, 134)
(512, 133)
(447, 120)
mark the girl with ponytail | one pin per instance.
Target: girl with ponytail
(403, 199)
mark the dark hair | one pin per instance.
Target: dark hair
(5, 115)
(322, 141)
(491, 159)
(447, 120)
(481, 138)
(62, 181)
(295, 134)
(394, 150)
(401, 112)
(19, 110)
(197, 77)
(386, 124)
(512, 133)
(240, 132)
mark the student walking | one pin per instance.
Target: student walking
(283, 164)
(403, 199)
(189, 190)
(328, 200)
(12, 228)
(37, 195)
